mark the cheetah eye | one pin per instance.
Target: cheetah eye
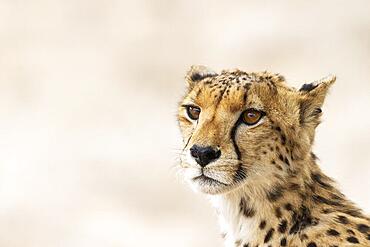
(252, 116)
(193, 112)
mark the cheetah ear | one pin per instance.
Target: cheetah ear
(312, 96)
(198, 73)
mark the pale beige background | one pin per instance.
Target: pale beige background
(88, 94)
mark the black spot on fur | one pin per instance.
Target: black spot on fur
(246, 245)
(303, 237)
(342, 219)
(283, 242)
(283, 226)
(283, 139)
(353, 240)
(262, 225)
(288, 206)
(308, 87)
(326, 201)
(318, 178)
(245, 96)
(327, 211)
(363, 228)
(275, 193)
(336, 197)
(269, 235)
(281, 157)
(294, 186)
(311, 244)
(278, 213)
(349, 231)
(332, 232)
(353, 212)
(286, 161)
(301, 220)
(245, 210)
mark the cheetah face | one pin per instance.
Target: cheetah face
(239, 128)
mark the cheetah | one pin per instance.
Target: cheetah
(248, 146)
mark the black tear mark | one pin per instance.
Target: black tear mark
(232, 136)
(236, 125)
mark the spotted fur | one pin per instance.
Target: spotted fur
(266, 185)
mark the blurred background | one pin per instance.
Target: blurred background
(88, 97)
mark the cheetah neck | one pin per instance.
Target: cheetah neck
(292, 204)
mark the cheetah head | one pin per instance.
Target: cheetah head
(245, 129)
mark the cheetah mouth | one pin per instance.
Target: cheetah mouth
(205, 180)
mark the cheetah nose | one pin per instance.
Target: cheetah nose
(204, 155)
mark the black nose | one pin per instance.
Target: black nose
(204, 155)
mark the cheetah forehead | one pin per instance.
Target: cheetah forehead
(237, 77)
(234, 80)
(236, 86)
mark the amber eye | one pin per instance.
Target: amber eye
(193, 112)
(252, 116)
